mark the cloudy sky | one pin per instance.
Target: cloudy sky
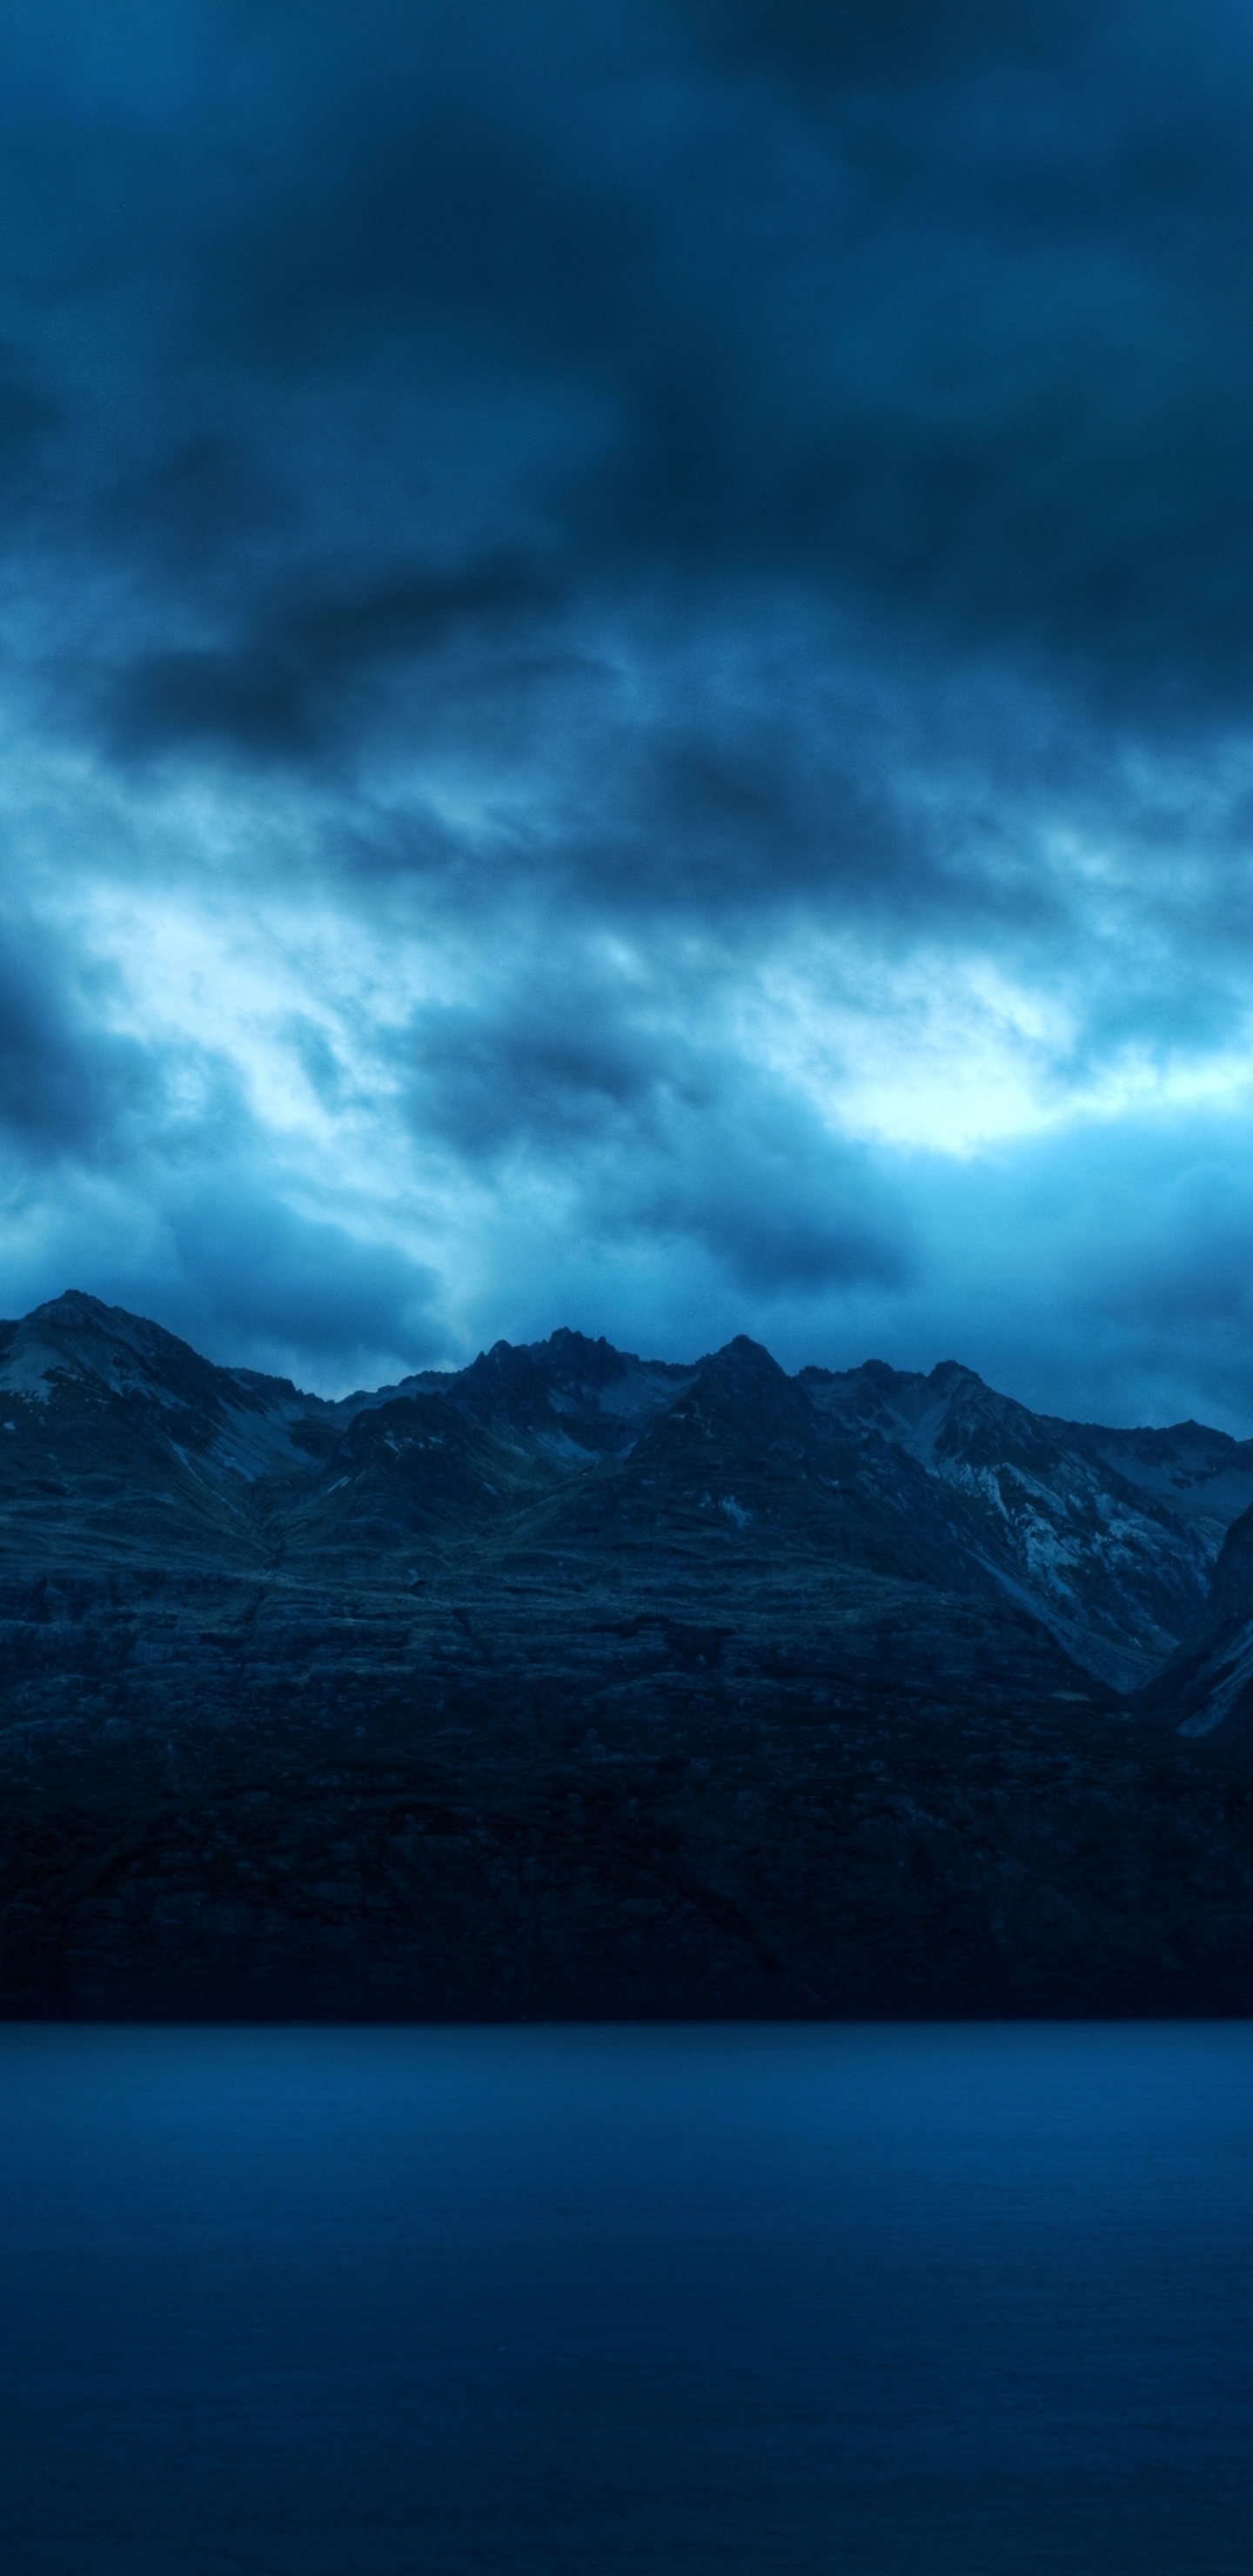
(626, 672)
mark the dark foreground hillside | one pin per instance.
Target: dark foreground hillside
(575, 1686)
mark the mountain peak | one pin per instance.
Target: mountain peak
(75, 1302)
(744, 1349)
(595, 1361)
(743, 1364)
(953, 1372)
(881, 1373)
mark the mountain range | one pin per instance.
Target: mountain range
(571, 1682)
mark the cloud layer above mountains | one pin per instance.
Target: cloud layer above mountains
(626, 660)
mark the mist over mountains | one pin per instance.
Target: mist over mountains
(572, 1681)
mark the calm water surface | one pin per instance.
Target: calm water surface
(957, 2302)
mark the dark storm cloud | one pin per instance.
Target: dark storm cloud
(780, 1207)
(667, 795)
(187, 505)
(694, 820)
(269, 1280)
(296, 688)
(566, 1076)
(541, 1068)
(66, 1086)
(844, 44)
(28, 416)
(917, 329)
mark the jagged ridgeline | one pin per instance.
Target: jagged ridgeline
(571, 1682)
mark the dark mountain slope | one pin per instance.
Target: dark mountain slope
(1208, 1685)
(576, 1683)
(1097, 1552)
(125, 1440)
(742, 1462)
(1201, 1475)
(118, 1440)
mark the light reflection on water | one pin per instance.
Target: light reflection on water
(847, 2301)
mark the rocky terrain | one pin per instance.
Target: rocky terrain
(573, 1684)
(1206, 1687)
